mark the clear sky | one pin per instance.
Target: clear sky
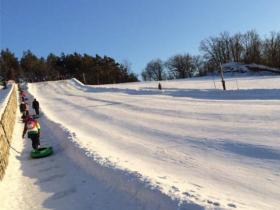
(133, 30)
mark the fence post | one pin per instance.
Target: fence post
(222, 76)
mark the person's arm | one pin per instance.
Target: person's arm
(38, 127)
(24, 130)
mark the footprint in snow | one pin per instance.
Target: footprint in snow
(64, 193)
(213, 203)
(198, 186)
(48, 169)
(51, 178)
(175, 189)
(232, 205)
(187, 194)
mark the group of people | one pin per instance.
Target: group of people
(31, 125)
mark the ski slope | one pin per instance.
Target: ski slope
(71, 180)
(191, 141)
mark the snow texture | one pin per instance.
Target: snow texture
(132, 146)
(4, 97)
(253, 68)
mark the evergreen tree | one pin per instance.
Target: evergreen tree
(9, 66)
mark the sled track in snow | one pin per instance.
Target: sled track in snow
(139, 193)
(190, 144)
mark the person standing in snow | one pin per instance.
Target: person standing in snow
(22, 107)
(25, 111)
(22, 95)
(159, 86)
(32, 127)
(35, 105)
(5, 84)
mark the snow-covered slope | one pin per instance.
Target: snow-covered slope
(258, 69)
(4, 96)
(69, 180)
(191, 141)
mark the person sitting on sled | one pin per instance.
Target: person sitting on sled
(32, 127)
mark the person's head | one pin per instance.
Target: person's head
(29, 118)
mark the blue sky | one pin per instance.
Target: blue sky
(133, 30)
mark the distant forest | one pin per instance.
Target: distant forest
(86, 68)
(244, 48)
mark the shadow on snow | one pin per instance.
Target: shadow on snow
(76, 181)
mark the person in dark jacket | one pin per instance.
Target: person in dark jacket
(25, 116)
(25, 111)
(22, 107)
(5, 84)
(35, 105)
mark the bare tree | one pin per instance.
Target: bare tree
(154, 71)
(218, 49)
(271, 50)
(252, 45)
(236, 47)
(198, 65)
(180, 66)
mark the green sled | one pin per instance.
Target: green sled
(41, 152)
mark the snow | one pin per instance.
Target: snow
(4, 97)
(250, 68)
(69, 179)
(191, 142)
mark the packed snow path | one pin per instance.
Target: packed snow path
(190, 141)
(212, 147)
(62, 181)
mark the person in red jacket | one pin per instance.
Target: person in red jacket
(22, 95)
(32, 127)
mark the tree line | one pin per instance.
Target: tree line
(86, 68)
(243, 48)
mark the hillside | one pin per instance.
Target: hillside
(191, 141)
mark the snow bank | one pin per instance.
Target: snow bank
(249, 68)
(7, 120)
(4, 97)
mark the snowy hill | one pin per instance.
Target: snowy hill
(256, 69)
(191, 141)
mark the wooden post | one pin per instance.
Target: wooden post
(159, 86)
(222, 76)
(237, 84)
(214, 82)
(84, 77)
